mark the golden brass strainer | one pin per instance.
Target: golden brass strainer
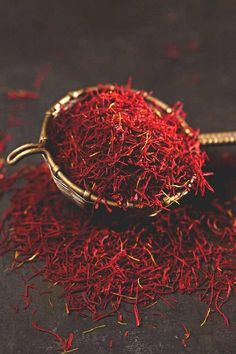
(84, 197)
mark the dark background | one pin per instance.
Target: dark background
(88, 42)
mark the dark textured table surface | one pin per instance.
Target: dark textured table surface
(87, 42)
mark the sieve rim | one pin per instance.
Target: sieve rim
(85, 195)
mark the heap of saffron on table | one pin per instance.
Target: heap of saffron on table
(186, 250)
(113, 144)
(100, 268)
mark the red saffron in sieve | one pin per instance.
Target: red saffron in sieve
(115, 145)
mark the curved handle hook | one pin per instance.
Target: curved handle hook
(25, 150)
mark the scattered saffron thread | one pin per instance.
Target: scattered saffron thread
(22, 94)
(194, 250)
(186, 335)
(65, 343)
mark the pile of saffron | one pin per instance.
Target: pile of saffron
(99, 268)
(113, 144)
(186, 250)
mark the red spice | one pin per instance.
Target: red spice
(193, 249)
(137, 315)
(65, 343)
(26, 296)
(22, 94)
(119, 317)
(114, 145)
(126, 333)
(186, 335)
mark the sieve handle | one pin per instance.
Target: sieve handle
(221, 138)
(25, 150)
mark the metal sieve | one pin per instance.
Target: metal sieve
(84, 197)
